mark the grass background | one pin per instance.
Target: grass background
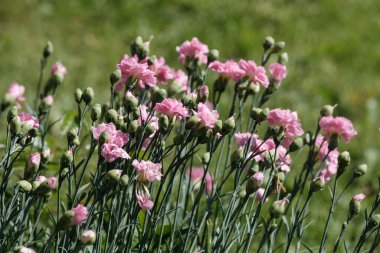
(333, 48)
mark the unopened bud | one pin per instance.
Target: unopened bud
(111, 116)
(48, 50)
(278, 208)
(133, 127)
(317, 184)
(218, 126)
(96, 112)
(15, 125)
(88, 95)
(159, 95)
(140, 48)
(327, 110)
(130, 103)
(113, 176)
(78, 95)
(24, 186)
(124, 180)
(163, 123)
(192, 122)
(296, 144)
(115, 76)
(228, 125)
(343, 161)
(213, 55)
(374, 221)
(278, 47)
(88, 237)
(12, 113)
(66, 158)
(253, 88)
(355, 207)
(206, 158)
(103, 138)
(283, 58)
(360, 170)
(268, 43)
(149, 130)
(178, 139)
(33, 132)
(66, 219)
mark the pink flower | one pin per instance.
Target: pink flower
(207, 116)
(58, 68)
(258, 178)
(131, 68)
(116, 137)
(260, 147)
(181, 79)
(284, 160)
(51, 181)
(146, 118)
(147, 171)
(48, 100)
(196, 177)
(337, 125)
(26, 250)
(172, 108)
(80, 215)
(203, 91)
(163, 72)
(260, 194)
(34, 159)
(330, 159)
(242, 138)
(229, 70)
(256, 74)
(46, 152)
(286, 119)
(143, 197)
(111, 152)
(193, 49)
(29, 119)
(358, 197)
(15, 94)
(278, 71)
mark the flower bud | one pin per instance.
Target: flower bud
(213, 55)
(158, 95)
(327, 110)
(278, 47)
(360, 170)
(343, 161)
(192, 122)
(45, 155)
(228, 125)
(72, 134)
(374, 221)
(111, 116)
(163, 123)
(133, 127)
(236, 157)
(33, 132)
(48, 50)
(218, 126)
(66, 158)
(203, 94)
(296, 144)
(189, 100)
(140, 48)
(242, 193)
(149, 130)
(256, 181)
(15, 125)
(278, 208)
(268, 43)
(115, 76)
(78, 95)
(355, 207)
(65, 220)
(307, 138)
(253, 88)
(317, 184)
(124, 180)
(206, 158)
(96, 112)
(88, 237)
(283, 58)
(12, 113)
(178, 139)
(130, 102)
(24, 186)
(113, 176)
(88, 95)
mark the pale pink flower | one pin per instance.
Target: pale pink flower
(258, 178)
(329, 158)
(260, 147)
(337, 125)
(51, 181)
(359, 197)
(163, 72)
(256, 74)
(203, 91)
(147, 171)
(260, 194)
(34, 159)
(132, 69)
(181, 79)
(29, 119)
(171, 108)
(80, 215)
(48, 100)
(58, 68)
(284, 160)
(15, 94)
(207, 116)
(242, 138)
(193, 49)
(87, 237)
(288, 120)
(41, 179)
(196, 177)
(278, 71)
(26, 250)
(229, 70)
(143, 197)
(46, 152)
(115, 136)
(146, 118)
(111, 152)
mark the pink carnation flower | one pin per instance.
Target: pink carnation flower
(337, 125)
(260, 194)
(359, 197)
(181, 79)
(171, 108)
(258, 178)
(111, 152)
(147, 171)
(131, 68)
(15, 94)
(115, 136)
(242, 138)
(58, 68)
(48, 100)
(229, 70)
(34, 159)
(146, 118)
(203, 91)
(256, 74)
(163, 72)
(143, 198)
(26, 250)
(29, 119)
(207, 116)
(80, 215)
(278, 71)
(330, 159)
(51, 181)
(197, 174)
(193, 49)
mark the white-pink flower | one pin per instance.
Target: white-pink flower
(207, 116)
(48, 100)
(147, 170)
(29, 119)
(196, 175)
(278, 71)
(15, 94)
(143, 197)
(58, 68)
(337, 125)
(80, 215)
(171, 108)
(242, 138)
(163, 72)
(26, 250)
(193, 49)
(229, 70)
(256, 74)
(114, 136)
(359, 197)
(34, 159)
(181, 80)
(111, 152)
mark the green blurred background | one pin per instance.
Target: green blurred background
(333, 47)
